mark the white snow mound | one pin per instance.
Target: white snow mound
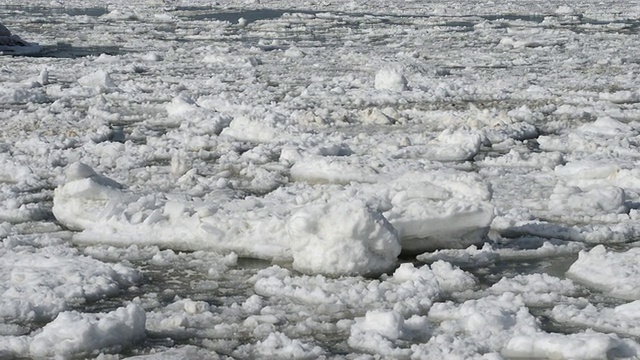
(344, 238)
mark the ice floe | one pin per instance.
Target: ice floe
(615, 273)
(184, 179)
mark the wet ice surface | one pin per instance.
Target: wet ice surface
(273, 180)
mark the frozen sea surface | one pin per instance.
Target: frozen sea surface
(346, 179)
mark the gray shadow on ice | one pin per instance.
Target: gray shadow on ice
(42, 10)
(68, 51)
(233, 17)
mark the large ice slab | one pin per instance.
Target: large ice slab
(623, 319)
(614, 273)
(438, 209)
(329, 233)
(38, 283)
(72, 334)
(332, 237)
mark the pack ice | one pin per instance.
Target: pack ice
(362, 179)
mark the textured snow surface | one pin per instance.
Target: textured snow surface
(188, 179)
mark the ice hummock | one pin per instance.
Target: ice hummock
(331, 235)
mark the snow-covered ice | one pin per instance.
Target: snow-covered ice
(616, 273)
(190, 179)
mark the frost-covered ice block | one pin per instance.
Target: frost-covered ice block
(574, 200)
(622, 319)
(391, 80)
(77, 333)
(615, 273)
(74, 335)
(37, 284)
(439, 209)
(335, 237)
(87, 197)
(279, 346)
(587, 170)
(378, 331)
(588, 345)
(335, 234)
(179, 353)
(431, 209)
(454, 146)
(410, 290)
(339, 238)
(333, 169)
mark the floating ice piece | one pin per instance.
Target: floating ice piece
(188, 352)
(337, 237)
(614, 273)
(378, 332)
(21, 93)
(454, 146)
(547, 249)
(588, 346)
(232, 60)
(490, 321)
(390, 79)
(425, 226)
(621, 97)
(565, 10)
(120, 15)
(87, 197)
(410, 290)
(440, 209)
(607, 126)
(342, 238)
(598, 200)
(73, 333)
(188, 318)
(515, 158)
(471, 256)
(37, 284)
(528, 43)
(587, 170)
(623, 319)
(430, 210)
(538, 289)
(375, 116)
(189, 114)
(279, 346)
(99, 79)
(333, 236)
(333, 169)
(251, 128)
